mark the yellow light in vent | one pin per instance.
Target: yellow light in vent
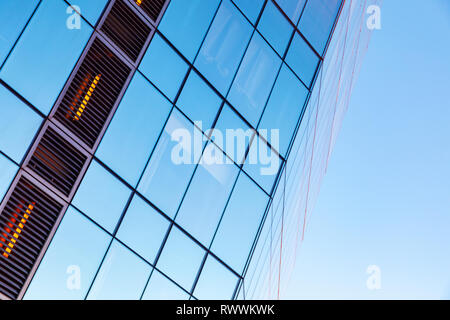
(87, 97)
(139, 2)
(12, 234)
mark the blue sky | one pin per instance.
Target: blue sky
(385, 200)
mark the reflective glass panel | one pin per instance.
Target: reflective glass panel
(302, 59)
(239, 224)
(13, 17)
(198, 101)
(216, 282)
(101, 196)
(292, 8)
(161, 288)
(254, 80)
(224, 46)
(251, 8)
(143, 229)
(8, 170)
(18, 125)
(275, 28)
(164, 67)
(172, 163)
(91, 10)
(284, 107)
(207, 195)
(134, 130)
(318, 20)
(122, 276)
(180, 259)
(39, 71)
(71, 261)
(186, 22)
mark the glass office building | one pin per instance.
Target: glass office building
(95, 100)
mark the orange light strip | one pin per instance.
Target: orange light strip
(139, 2)
(77, 97)
(15, 233)
(87, 96)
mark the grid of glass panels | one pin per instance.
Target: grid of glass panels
(142, 226)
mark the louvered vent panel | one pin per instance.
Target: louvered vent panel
(126, 29)
(152, 8)
(92, 93)
(57, 161)
(25, 224)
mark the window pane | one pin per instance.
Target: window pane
(143, 229)
(240, 223)
(198, 101)
(285, 106)
(254, 79)
(235, 133)
(8, 170)
(18, 125)
(207, 195)
(262, 163)
(275, 28)
(216, 282)
(123, 275)
(180, 259)
(292, 8)
(134, 130)
(302, 59)
(164, 67)
(91, 10)
(224, 46)
(251, 8)
(317, 21)
(165, 180)
(13, 16)
(39, 71)
(186, 22)
(101, 196)
(71, 261)
(161, 288)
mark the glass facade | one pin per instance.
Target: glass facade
(167, 207)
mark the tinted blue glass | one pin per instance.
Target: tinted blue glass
(123, 275)
(262, 163)
(164, 67)
(198, 101)
(240, 223)
(91, 10)
(101, 196)
(186, 22)
(165, 180)
(13, 17)
(317, 21)
(275, 28)
(284, 107)
(224, 46)
(302, 59)
(251, 8)
(45, 55)
(71, 261)
(18, 125)
(292, 8)
(216, 282)
(161, 288)
(7, 172)
(134, 130)
(143, 229)
(235, 134)
(180, 259)
(207, 195)
(254, 80)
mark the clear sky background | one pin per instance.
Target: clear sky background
(385, 200)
